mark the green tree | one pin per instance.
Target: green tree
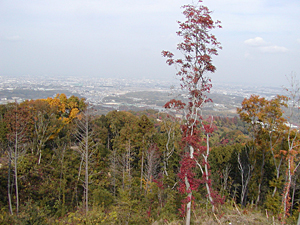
(145, 131)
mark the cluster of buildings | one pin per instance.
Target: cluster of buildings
(97, 90)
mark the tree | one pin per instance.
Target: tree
(17, 121)
(293, 140)
(152, 164)
(67, 109)
(86, 148)
(145, 130)
(198, 47)
(266, 128)
(124, 152)
(171, 128)
(122, 132)
(45, 124)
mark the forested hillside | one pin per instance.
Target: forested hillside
(61, 162)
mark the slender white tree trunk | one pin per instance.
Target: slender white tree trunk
(189, 204)
(9, 184)
(40, 156)
(206, 174)
(86, 167)
(298, 222)
(16, 173)
(190, 193)
(142, 164)
(287, 188)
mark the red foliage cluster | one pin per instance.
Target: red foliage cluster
(218, 199)
(187, 164)
(175, 104)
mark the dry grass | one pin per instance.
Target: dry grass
(228, 215)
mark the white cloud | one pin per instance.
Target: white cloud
(256, 42)
(273, 49)
(298, 40)
(264, 46)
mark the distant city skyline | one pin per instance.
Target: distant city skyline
(124, 39)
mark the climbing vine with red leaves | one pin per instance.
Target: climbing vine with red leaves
(198, 46)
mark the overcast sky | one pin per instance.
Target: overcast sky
(124, 39)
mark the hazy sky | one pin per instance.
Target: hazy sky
(118, 38)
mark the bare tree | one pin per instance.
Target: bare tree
(17, 119)
(152, 163)
(86, 148)
(245, 171)
(60, 152)
(45, 125)
(171, 127)
(124, 160)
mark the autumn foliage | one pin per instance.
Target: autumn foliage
(197, 47)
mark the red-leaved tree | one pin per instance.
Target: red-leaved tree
(198, 46)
